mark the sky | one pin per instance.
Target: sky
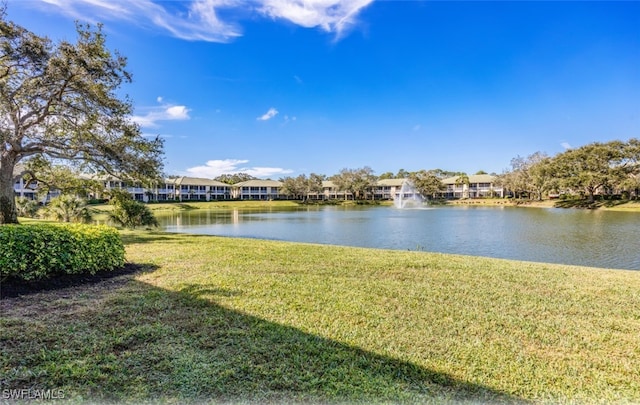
(279, 88)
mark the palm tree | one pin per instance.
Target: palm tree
(463, 180)
(68, 208)
(26, 207)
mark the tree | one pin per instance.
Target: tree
(302, 186)
(292, 187)
(234, 178)
(129, 213)
(463, 180)
(540, 174)
(531, 175)
(631, 159)
(426, 182)
(26, 207)
(593, 166)
(355, 181)
(68, 208)
(58, 102)
(64, 178)
(314, 184)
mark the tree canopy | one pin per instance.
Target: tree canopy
(59, 103)
(595, 167)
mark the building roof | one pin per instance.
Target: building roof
(391, 182)
(195, 181)
(384, 182)
(474, 178)
(259, 183)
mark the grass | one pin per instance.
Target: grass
(605, 205)
(615, 205)
(210, 319)
(193, 205)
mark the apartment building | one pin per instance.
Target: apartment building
(186, 188)
(479, 185)
(30, 191)
(389, 189)
(198, 189)
(257, 190)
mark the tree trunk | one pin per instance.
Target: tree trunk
(8, 213)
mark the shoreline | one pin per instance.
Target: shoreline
(615, 205)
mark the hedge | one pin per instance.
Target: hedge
(39, 251)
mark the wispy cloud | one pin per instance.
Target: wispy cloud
(565, 145)
(334, 16)
(268, 115)
(166, 112)
(417, 127)
(197, 20)
(200, 20)
(215, 168)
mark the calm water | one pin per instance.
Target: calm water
(581, 237)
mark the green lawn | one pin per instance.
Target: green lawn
(201, 318)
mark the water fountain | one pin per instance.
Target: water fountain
(408, 197)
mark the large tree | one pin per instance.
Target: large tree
(59, 102)
(427, 183)
(596, 165)
(302, 187)
(357, 182)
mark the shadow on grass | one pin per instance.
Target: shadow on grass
(12, 288)
(152, 236)
(586, 204)
(142, 343)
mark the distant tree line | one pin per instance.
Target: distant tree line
(611, 168)
(359, 182)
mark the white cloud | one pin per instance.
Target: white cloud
(565, 145)
(200, 20)
(333, 16)
(268, 115)
(215, 168)
(162, 113)
(177, 112)
(417, 128)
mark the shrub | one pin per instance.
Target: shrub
(26, 208)
(129, 213)
(67, 208)
(38, 251)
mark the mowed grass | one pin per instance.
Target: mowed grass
(210, 319)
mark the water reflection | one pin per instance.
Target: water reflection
(590, 238)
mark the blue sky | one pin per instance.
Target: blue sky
(284, 87)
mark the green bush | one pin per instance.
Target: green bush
(39, 251)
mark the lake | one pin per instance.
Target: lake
(567, 236)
